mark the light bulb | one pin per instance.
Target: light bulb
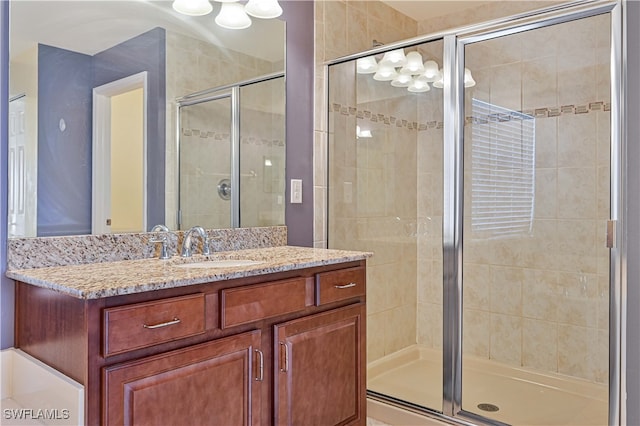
(414, 64)
(402, 80)
(265, 9)
(366, 65)
(233, 16)
(192, 7)
(418, 85)
(385, 73)
(394, 58)
(439, 83)
(431, 72)
(468, 79)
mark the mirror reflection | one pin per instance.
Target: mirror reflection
(94, 134)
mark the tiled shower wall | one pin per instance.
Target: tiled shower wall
(539, 301)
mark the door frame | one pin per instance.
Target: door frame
(101, 149)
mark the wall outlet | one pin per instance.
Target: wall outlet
(296, 191)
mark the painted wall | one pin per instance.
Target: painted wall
(64, 137)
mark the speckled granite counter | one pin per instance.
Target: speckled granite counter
(97, 280)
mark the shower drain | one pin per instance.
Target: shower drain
(488, 407)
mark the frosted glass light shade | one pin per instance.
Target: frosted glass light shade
(439, 83)
(431, 71)
(232, 16)
(366, 65)
(468, 79)
(265, 9)
(394, 58)
(385, 73)
(402, 80)
(414, 64)
(192, 7)
(418, 85)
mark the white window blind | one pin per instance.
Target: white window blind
(502, 171)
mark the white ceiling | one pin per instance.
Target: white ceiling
(92, 26)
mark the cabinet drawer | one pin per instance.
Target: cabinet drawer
(145, 324)
(256, 302)
(338, 285)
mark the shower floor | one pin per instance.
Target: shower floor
(523, 397)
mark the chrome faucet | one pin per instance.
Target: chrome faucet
(164, 253)
(186, 243)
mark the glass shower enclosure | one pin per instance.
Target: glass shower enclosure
(231, 154)
(487, 185)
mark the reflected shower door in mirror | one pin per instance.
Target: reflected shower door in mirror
(232, 156)
(61, 50)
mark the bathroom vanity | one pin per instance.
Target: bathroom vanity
(256, 337)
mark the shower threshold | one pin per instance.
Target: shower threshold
(505, 393)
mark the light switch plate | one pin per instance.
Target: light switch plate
(296, 191)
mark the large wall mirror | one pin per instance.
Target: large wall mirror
(95, 120)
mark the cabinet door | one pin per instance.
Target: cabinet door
(213, 383)
(319, 369)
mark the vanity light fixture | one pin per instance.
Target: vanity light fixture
(366, 65)
(407, 71)
(232, 16)
(402, 80)
(394, 58)
(385, 73)
(418, 85)
(414, 65)
(192, 7)
(264, 9)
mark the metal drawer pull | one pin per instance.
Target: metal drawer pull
(284, 346)
(260, 366)
(162, 324)
(345, 286)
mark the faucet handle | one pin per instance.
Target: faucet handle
(205, 246)
(164, 253)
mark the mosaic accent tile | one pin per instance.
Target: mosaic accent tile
(543, 112)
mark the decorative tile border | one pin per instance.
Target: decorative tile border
(224, 137)
(544, 112)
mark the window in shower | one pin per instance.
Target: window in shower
(503, 171)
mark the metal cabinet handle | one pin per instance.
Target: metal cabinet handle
(345, 286)
(162, 324)
(285, 367)
(260, 366)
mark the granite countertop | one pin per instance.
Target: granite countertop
(97, 280)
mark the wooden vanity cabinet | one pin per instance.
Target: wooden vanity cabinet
(286, 348)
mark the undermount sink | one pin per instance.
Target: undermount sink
(220, 263)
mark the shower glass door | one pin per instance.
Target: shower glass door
(536, 267)
(385, 195)
(205, 163)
